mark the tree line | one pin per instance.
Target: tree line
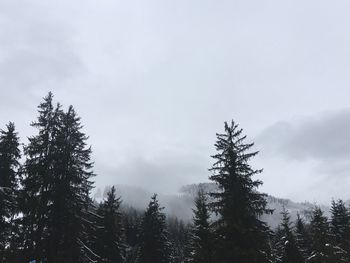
(47, 213)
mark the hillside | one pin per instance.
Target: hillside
(181, 204)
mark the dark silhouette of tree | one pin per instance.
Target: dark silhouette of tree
(302, 237)
(201, 243)
(241, 235)
(110, 238)
(9, 166)
(277, 246)
(39, 173)
(131, 222)
(322, 249)
(287, 248)
(340, 227)
(153, 239)
(70, 218)
(178, 233)
(55, 200)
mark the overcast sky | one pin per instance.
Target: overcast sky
(155, 80)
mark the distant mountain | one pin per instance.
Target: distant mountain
(181, 204)
(277, 204)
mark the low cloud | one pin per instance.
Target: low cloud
(308, 157)
(323, 137)
(165, 173)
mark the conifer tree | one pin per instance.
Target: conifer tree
(288, 249)
(277, 245)
(55, 200)
(131, 222)
(110, 241)
(71, 211)
(9, 166)
(322, 249)
(242, 236)
(201, 243)
(340, 227)
(177, 235)
(41, 155)
(154, 245)
(302, 237)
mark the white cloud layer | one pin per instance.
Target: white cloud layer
(156, 79)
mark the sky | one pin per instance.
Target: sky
(155, 80)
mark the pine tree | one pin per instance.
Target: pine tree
(71, 213)
(277, 245)
(9, 166)
(110, 242)
(288, 249)
(154, 246)
(340, 227)
(322, 249)
(302, 237)
(178, 234)
(242, 236)
(35, 199)
(131, 222)
(57, 209)
(201, 244)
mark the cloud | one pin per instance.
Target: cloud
(150, 77)
(322, 137)
(308, 158)
(37, 50)
(38, 53)
(164, 173)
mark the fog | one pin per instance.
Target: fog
(154, 81)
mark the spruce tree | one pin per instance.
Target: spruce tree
(39, 173)
(321, 243)
(178, 233)
(110, 241)
(9, 168)
(340, 227)
(71, 214)
(288, 249)
(242, 236)
(154, 245)
(131, 222)
(302, 237)
(201, 243)
(57, 210)
(277, 245)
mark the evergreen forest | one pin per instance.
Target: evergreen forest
(48, 215)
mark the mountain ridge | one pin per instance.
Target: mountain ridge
(182, 203)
